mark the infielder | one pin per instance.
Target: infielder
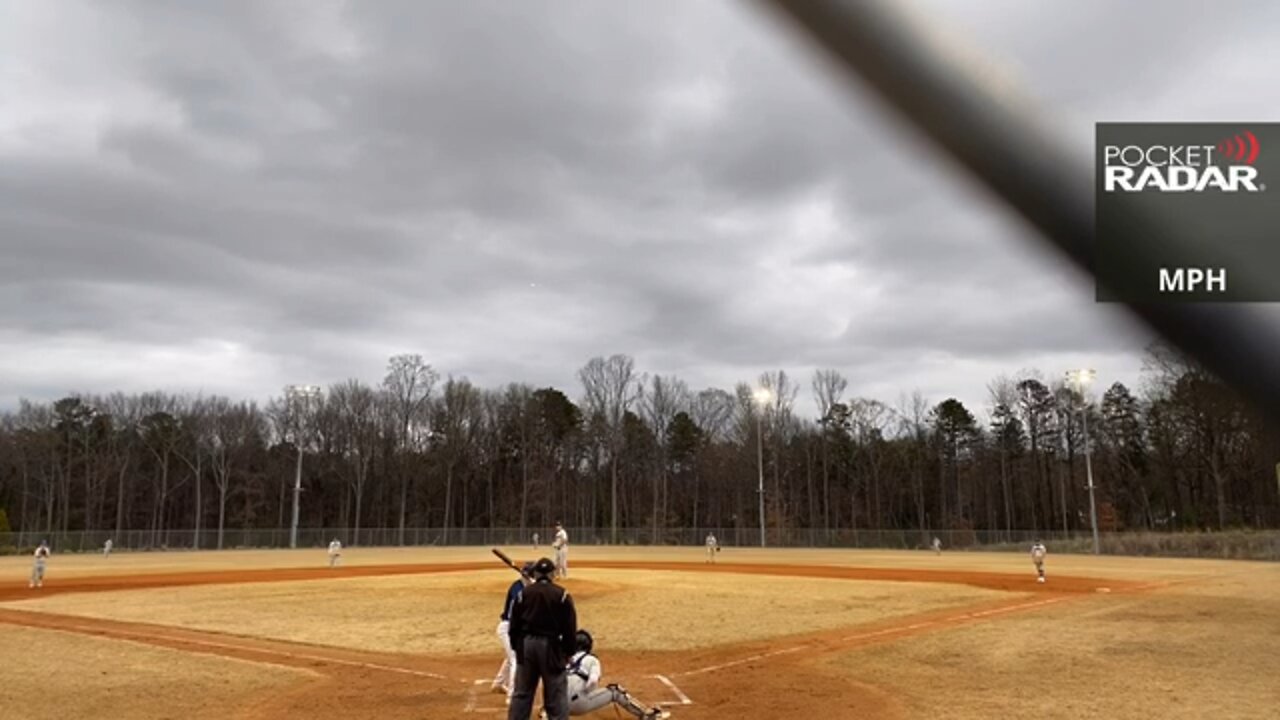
(1038, 551)
(712, 547)
(335, 553)
(561, 546)
(937, 545)
(505, 680)
(37, 569)
(535, 541)
(585, 694)
(106, 548)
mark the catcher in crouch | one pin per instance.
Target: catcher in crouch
(585, 694)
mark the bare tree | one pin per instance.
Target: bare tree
(195, 421)
(356, 406)
(408, 383)
(126, 413)
(828, 390)
(665, 397)
(611, 387)
(869, 419)
(161, 435)
(780, 421)
(456, 426)
(913, 416)
(1003, 393)
(233, 427)
(713, 411)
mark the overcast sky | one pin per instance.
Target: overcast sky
(230, 196)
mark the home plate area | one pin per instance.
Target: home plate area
(652, 690)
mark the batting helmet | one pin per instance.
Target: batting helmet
(527, 568)
(544, 567)
(584, 642)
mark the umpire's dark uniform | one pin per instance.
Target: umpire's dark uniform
(543, 625)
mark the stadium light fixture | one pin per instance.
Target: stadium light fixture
(763, 396)
(1080, 379)
(298, 394)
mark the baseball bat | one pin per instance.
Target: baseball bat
(508, 562)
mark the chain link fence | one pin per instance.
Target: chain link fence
(1237, 544)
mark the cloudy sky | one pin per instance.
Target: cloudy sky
(230, 196)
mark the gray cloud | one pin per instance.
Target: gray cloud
(228, 197)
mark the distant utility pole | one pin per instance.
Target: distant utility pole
(298, 395)
(762, 398)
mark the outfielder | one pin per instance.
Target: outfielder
(335, 553)
(1038, 551)
(712, 547)
(561, 545)
(37, 569)
(535, 541)
(937, 545)
(585, 694)
(106, 548)
(505, 680)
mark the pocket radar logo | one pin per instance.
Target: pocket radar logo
(1226, 166)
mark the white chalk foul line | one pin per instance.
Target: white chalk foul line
(743, 661)
(471, 699)
(877, 633)
(684, 699)
(143, 637)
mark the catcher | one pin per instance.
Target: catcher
(585, 694)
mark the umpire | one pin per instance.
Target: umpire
(544, 624)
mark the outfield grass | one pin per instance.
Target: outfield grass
(13, 569)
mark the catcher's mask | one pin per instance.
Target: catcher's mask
(544, 567)
(584, 641)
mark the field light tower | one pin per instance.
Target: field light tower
(762, 397)
(298, 395)
(1081, 379)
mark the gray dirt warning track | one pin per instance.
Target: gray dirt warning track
(705, 683)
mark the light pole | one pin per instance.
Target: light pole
(1081, 379)
(762, 398)
(296, 394)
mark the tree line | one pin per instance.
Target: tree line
(633, 450)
